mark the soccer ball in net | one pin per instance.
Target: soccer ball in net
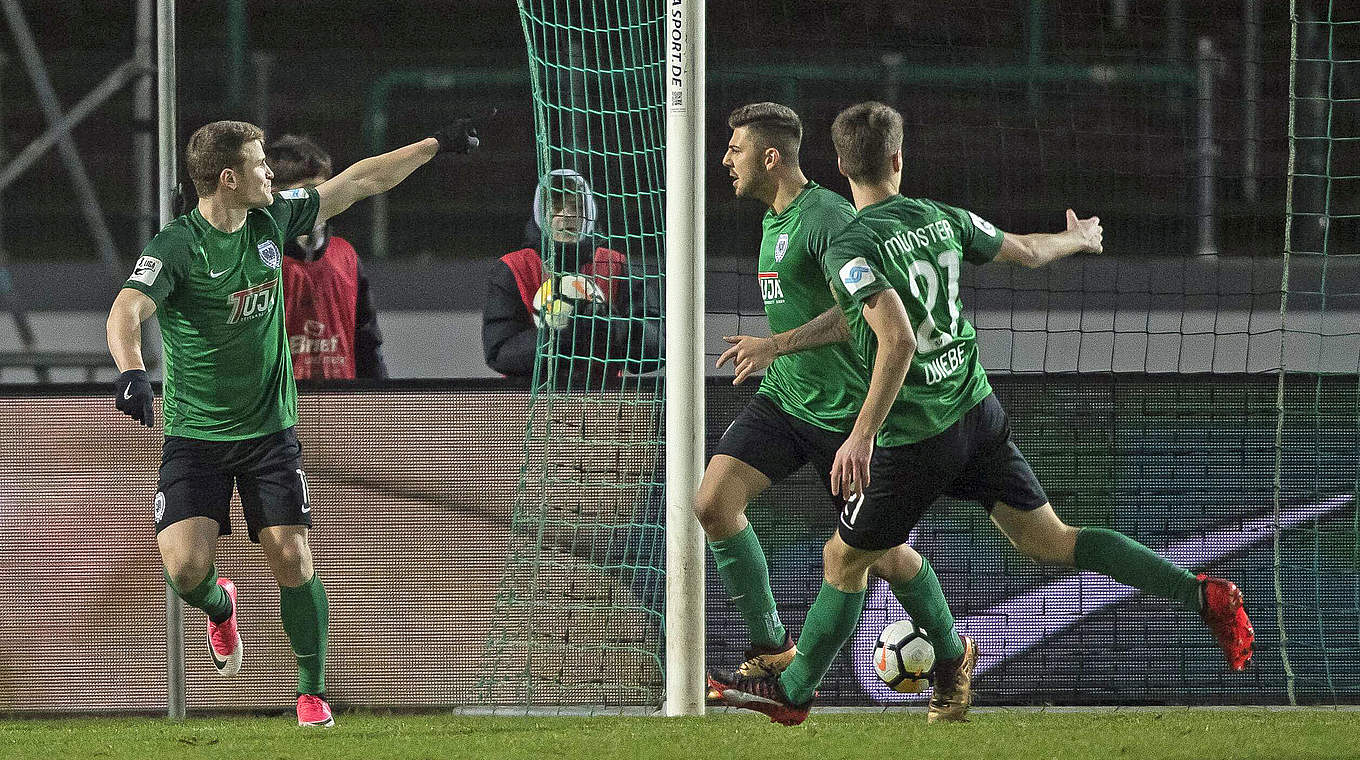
(904, 657)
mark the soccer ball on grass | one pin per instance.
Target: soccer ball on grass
(904, 657)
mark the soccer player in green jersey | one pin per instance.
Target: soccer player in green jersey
(212, 278)
(807, 400)
(930, 424)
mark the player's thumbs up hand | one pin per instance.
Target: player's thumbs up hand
(461, 136)
(1089, 233)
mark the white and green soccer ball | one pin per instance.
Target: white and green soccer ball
(904, 657)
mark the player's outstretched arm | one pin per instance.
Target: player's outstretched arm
(378, 174)
(1038, 249)
(887, 317)
(371, 176)
(750, 353)
(132, 391)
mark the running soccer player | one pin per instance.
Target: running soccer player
(895, 271)
(807, 401)
(212, 278)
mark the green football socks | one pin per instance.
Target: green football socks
(305, 616)
(924, 601)
(1114, 554)
(741, 563)
(830, 623)
(207, 596)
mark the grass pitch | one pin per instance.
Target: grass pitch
(995, 735)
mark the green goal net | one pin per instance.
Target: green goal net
(579, 609)
(1317, 562)
(1197, 388)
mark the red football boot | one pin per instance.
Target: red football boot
(763, 694)
(224, 640)
(1227, 618)
(313, 711)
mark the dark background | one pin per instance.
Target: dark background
(1016, 152)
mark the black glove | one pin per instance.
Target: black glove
(459, 137)
(132, 395)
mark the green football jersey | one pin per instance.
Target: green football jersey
(916, 247)
(219, 301)
(822, 386)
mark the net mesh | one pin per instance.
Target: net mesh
(1194, 388)
(1145, 386)
(578, 613)
(1317, 562)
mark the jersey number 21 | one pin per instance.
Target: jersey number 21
(929, 335)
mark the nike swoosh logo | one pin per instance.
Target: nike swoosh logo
(734, 697)
(215, 275)
(306, 508)
(220, 662)
(127, 392)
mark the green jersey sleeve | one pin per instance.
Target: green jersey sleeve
(164, 262)
(852, 265)
(294, 211)
(981, 239)
(827, 221)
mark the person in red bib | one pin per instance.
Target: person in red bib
(329, 313)
(600, 314)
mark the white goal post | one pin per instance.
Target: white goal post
(684, 612)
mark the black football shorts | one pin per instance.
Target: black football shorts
(974, 459)
(776, 443)
(196, 480)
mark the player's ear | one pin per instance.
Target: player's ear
(771, 158)
(897, 161)
(227, 178)
(841, 167)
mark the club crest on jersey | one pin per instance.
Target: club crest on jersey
(269, 254)
(781, 247)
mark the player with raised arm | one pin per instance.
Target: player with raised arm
(937, 425)
(212, 278)
(807, 400)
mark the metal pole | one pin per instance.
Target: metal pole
(378, 244)
(1176, 52)
(264, 64)
(236, 56)
(892, 79)
(1206, 62)
(684, 39)
(1251, 95)
(1119, 14)
(165, 143)
(47, 98)
(143, 114)
(61, 130)
(1035, 34)
(7, 298)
